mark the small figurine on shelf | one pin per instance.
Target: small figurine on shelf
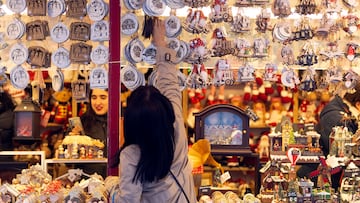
(276, 111)
(90, 153)
(61, 110)
(260, 110)
(263, 148)
(61, 152)
(82, 153)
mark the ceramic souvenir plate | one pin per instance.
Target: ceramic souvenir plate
(133, 4)
(97, 10)
(129, 24)
(61, 58)
(56, 7)
(131, 77)
(100, 31)
(149, 54)
(172, 26)
(16, 6)
(175, 4)
(133, 50)
(154, 7)
(98, 78)
(16, 29)
(59, 33)
(19, 54)
(100, 55)
(19, 77)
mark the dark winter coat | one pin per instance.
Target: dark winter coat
(95, 127)
(6, 130)
(332, 115)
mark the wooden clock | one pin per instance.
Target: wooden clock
(226, 127)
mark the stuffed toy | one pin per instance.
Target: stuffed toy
(61, 110)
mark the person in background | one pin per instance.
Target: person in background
(94, 122)
(153, 161)
(333, 114)
(7, 107)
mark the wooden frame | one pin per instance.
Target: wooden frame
(226, 127)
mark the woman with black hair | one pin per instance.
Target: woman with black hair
(94, 122)
(154, 165)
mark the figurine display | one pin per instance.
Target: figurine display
(61, 110)
(220, 12)
(219, 45)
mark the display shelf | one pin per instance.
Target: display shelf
(302, 159)
(73, 161)
(41, 153)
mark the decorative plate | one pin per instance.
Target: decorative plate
(154, 7)
(133, 50)
(175, 4)
(133, 4)
(19, 77)
(19, 54)
(97, 10)
(173, 26)
(59, 33)
(131, 77)
(16, 29)
(149, 54)
(56, 8)
(16, 6)
(98, 78)
(61, 58)
(129, 24)
(100, 55)
(100, 31)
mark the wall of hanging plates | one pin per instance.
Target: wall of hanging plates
(258, 49)
(54, 41)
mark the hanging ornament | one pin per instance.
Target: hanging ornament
(289, 78)
(351, 52)
(294, 155)
(351, 23)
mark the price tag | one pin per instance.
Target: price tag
(225, 176)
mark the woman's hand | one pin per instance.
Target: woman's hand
(158, 34)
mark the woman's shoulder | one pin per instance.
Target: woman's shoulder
(131, 153)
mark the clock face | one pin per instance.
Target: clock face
(223, 128)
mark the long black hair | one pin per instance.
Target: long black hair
(6, 101)
(149, 123)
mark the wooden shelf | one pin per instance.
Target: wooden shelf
(73, 161)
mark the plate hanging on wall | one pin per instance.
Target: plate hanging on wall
(98, 78)
(19, 77)
(129, 24)
(16, 29)
(56, 8)
(61, 58)
(59, 33)
(100, 31)
(97, 10)
(19, 53)
(100, 55)
(16, 6)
